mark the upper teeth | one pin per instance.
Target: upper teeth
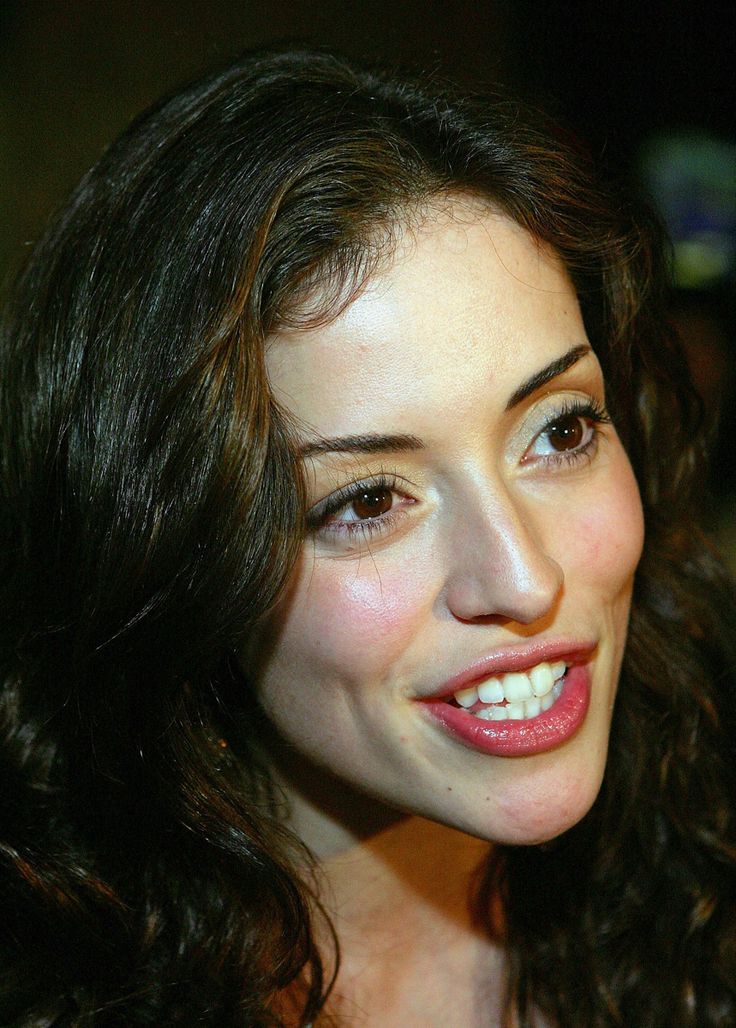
(514, 687)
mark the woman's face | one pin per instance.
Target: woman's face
(452, 637)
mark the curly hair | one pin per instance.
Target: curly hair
(151, 510)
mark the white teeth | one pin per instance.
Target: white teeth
(542, 679)
(533, 707)
(516, 687)
(490, 691)
(467, 697)
(526, 693)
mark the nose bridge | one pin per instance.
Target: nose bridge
(499, 566)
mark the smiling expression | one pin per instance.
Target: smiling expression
(472, 513)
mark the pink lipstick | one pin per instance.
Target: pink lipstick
(518, 737)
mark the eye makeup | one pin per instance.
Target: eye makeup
(571, 432)
(375, 503)
(367, 508)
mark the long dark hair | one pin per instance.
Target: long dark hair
(151, 513)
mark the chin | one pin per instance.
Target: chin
(542, 803)
(533, 820)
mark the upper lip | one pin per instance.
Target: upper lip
(516, 658)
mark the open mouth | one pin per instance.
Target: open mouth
(519, 712)
(516, 695)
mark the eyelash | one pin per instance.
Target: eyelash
(588, 409)
(317, 518)
(342, 498)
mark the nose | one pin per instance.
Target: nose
(499, 566)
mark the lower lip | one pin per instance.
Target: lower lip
(521, 738)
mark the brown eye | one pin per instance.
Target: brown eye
(371, 503)
(566, 433)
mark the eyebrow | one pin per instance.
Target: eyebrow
(372, 443)
(552, 370)
(401, 443)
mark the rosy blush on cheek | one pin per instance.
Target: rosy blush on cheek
(368, 609)
(599, 549)
(609, 535)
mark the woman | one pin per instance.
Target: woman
(334, 409)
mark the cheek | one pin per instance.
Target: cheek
(377, 606)
(352, 623)
(608, 533)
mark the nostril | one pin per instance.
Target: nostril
(505, 591)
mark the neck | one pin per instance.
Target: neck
(414, 871)
(397, 889)
(396, 858)
(411, 951)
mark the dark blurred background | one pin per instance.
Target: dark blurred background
(650, 85)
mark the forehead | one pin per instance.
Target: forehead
(467, 301)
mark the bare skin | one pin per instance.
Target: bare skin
(494, 511)
(398, 890)
(411, 956)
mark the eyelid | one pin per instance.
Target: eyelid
(580, 405)
(350, 536)
(552, 406)
(342, 497)
(548, 411)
